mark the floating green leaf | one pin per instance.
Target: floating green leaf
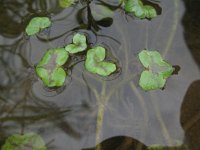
(66, 3)
(157, 70)
(79, 44)
(27, 141)
(139, 9)
(49, 68)
(95, 62)
(36, 24)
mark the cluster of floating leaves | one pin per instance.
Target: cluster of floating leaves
(50, 70)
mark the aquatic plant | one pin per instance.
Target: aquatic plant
(95, 62)
(138, 9)
(79, 44)
(37, 24)
(66, 3)
(53, 75)
(27, 141)
(156, 70)
(49, 68)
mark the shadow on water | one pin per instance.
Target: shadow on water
(121, 143)
(191, 24)
(190, 109)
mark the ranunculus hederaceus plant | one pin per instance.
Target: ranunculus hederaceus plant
(96, 64)
(156, 70)
(50, 68)
(37, 24)
(79, 44)
(21, 142)
(139, 10)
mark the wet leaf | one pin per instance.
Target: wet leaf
(49, 68)
(95, 62)
(79, 44)
(66, 3)
(36, 24)
(139, 9)
(27, 141)
(156, 72)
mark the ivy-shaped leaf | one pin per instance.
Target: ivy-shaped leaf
(79, 44)
(49, 68)
(66, 3)
(95, 62)
(156, 70)
(139, 9)
(27, 141)
(36, 24)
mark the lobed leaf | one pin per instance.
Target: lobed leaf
(95, 62)
(79, 44)
(49, 68)
(36, 24)
(157, 70)
(139, 9)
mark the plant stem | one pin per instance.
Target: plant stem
(99, 124)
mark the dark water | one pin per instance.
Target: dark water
(90, 109)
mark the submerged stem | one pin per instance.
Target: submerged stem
(99, 124)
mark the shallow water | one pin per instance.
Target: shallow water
(90, 109)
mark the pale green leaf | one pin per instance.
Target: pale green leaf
(149, 81)
(57, 77)
(27, 141)
(79, 44)
(36, 24)
(66, 3)
(139, 9)
(53, 58)
(96, 64)
(49, 68)
(157, 70)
